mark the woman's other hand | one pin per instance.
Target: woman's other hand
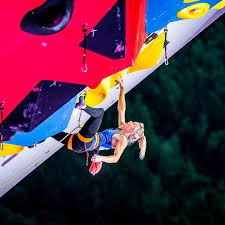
(96, 158)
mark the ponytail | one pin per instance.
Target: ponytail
(142, 147)
(138, 135)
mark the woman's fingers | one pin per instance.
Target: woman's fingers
(93, 158)
(96, 158)
(120, 81)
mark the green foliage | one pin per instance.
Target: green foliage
(10, 218)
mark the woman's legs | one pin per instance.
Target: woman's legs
(92, 126)
(89, 129)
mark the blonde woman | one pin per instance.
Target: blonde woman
(127, 133)
(89, 138)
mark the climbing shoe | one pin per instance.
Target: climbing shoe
(81, 103)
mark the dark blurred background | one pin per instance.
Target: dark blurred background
(181, 181)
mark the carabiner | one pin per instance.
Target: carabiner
(166, 61)
(84, 68)
(1, 143)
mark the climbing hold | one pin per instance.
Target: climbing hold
(193, 11)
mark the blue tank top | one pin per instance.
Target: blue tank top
(105, 136)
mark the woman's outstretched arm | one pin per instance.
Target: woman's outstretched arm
(121, 107)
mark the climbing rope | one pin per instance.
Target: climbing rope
(42, 156)
(165, 44)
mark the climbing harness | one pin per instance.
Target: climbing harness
(1, 129)
(165, 44)
(69, 146)
(84, 66)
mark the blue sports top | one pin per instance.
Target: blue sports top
(105, 137)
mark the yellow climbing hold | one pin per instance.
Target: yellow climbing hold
(98, 95)
(220, 5)
(193, 11)
(9, 149)
(189, 1)
(150, 55)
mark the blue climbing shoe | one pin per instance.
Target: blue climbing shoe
(81, 103)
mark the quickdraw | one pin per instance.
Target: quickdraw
(84, 67)
(165, 44)
(1, 130)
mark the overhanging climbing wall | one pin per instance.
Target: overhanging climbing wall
(14, 167)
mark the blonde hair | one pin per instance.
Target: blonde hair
(138, 135)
